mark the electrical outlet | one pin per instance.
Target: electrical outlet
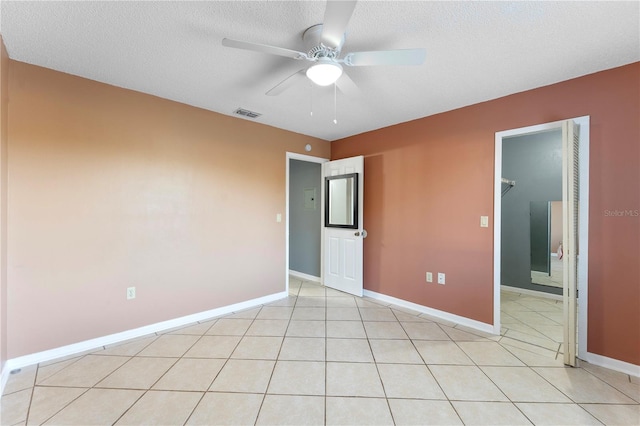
(131, 293)
(429, 277)
(440, 278)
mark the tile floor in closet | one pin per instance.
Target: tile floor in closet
(532, 323)
(324, 357)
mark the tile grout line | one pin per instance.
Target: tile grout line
(275, 362)
(63, 368)
(63, 407)
(326, 354)
(495, 384)
(612, 386)
(145, 391)
(195, 407)
(559, 390)
(429, 369)
(384, 390)
(33, 390)
(186, 351)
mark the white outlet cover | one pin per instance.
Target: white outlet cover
(131, 293)
(440, 278)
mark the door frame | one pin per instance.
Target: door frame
(309, 159)
(583, 226)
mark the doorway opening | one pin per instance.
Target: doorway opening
(304, 255)
(527, 249)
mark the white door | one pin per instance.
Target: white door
(343, 232)
(570, 193)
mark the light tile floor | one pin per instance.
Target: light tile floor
(321, 357)
(532, 323)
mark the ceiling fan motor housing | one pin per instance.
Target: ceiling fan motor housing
(322, 51)
(312, 40)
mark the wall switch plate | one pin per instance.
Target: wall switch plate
(429, 277)
(279, 217)
(131, 293)
(484, 221)
(440, 278)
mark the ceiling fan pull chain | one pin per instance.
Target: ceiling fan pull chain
(335, 102)
(311, 85)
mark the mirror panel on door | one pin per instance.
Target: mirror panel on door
(341, 208)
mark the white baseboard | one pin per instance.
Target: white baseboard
(531, 292)
(4, 377)
(87, 345)
(599, 360)
(304, 276)
(467, 322)
(612, 364)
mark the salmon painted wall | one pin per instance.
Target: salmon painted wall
(428, 181)
(111, 188)
(4, 115)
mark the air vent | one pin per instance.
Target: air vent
(247, 113)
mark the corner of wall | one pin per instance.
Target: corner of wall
(4, 114)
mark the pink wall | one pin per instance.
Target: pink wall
(4, 115)
(111, 188)
(428, 181)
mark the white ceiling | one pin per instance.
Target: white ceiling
(476, 51)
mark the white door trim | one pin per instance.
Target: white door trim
(583, 227)
(309, 159)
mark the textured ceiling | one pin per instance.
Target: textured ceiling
(476, 51)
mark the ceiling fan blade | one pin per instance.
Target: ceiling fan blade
(287, 82)
(346, 85)
(336, 18)
(386, 57)
(263, 48)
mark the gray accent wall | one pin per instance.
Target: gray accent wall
(304, 220)
(535, 163)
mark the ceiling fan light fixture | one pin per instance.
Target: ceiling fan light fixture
(324, 72)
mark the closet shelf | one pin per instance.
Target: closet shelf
(509, 182)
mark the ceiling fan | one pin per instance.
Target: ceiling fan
(326, 41)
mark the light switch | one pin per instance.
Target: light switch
(484, 221)
(279, 217)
